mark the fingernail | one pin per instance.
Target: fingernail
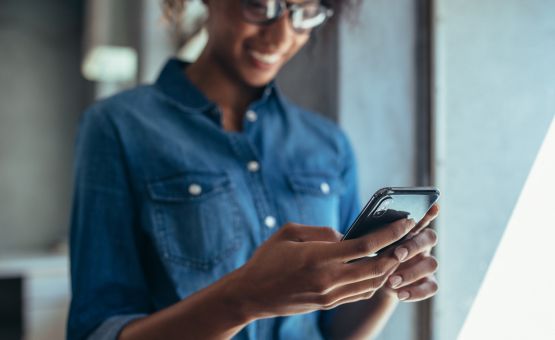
(394, 281)
(401, 253)
(403, 296)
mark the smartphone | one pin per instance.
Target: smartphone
(388, 205)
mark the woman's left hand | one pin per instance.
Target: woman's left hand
(414, 279)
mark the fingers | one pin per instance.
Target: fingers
(427, 219)
(350, 299)
(420, 269)
(342, 293)
(420, 243)
(367, 268)
(420, 290)
(303, 233)
(369, 244)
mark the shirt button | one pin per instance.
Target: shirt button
(325, 187)
(195, 189)
(270, 221)
(251, 116)
(253, 166)
(267, 91)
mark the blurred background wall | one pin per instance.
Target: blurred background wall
(494, 98)
(42, 93)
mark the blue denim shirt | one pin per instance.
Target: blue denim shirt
(166, 201)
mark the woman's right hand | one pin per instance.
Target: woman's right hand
(303, 268)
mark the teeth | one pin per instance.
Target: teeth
(265, 58)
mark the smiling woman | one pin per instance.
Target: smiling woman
(186, 192)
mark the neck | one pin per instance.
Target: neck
(229, 93)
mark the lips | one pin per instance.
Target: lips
(266, 58)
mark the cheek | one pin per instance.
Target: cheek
(226, 29)
(297, 44)
(230, 40)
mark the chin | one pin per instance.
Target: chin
(258, 79)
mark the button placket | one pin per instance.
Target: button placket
(261, 198)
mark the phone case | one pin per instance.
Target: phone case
(388, 205)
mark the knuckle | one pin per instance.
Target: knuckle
(329, 231)
(380, 268)
(288, 225)
(418, 242)
(434, 264)
(380, 283)
(433, 236)
(401, 228)
(331, 305)
(319, 286)
(408, 276)
(365, 246)
(398, 231)
(289, 229)
(319, 300)
(325, 300)
(369, 294)
(386, 264)
(434, 286)
(411, 246)
(376, 283)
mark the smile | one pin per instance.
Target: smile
(269, 59)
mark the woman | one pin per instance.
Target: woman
(186, 191)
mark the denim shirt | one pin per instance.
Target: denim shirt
(166, 201)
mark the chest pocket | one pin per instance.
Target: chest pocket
(195, 218)
(317, 197)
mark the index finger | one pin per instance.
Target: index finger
(427, 219)
(372, 242)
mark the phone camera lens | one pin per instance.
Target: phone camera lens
(382, 208)
(379, 213)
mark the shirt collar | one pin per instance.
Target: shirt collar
(174, 83)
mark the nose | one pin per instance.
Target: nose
(278, 34)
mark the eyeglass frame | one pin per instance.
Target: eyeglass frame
(285, 6)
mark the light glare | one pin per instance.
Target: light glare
(517, 298)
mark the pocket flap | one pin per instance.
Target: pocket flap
(188, 186)
(314, 183)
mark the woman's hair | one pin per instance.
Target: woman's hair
(174, 11)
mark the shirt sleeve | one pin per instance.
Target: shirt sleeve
(108, 285)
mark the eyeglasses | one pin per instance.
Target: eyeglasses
(303, 16)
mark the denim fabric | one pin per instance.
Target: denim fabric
(166, 202)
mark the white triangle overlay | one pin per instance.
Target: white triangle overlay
(517, 297)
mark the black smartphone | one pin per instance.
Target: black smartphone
(388, 205)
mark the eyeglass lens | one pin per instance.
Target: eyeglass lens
(303, 16)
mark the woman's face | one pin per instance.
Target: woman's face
(249, 53)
